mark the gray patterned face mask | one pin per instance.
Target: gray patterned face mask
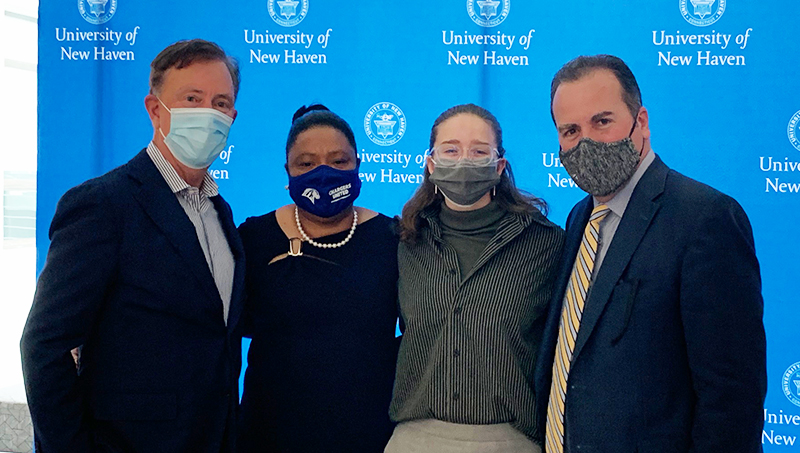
(601, 168)
(465, 184)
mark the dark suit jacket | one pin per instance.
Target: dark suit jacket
(670, 355)
(126, 278)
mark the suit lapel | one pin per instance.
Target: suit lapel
(639, 213)
(158, 201)
(237, 249)
(576, 222)
(573, 242)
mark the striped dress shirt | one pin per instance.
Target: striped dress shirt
(201, 212)
(469, 346)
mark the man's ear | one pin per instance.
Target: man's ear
(153, 107)
(644, 122)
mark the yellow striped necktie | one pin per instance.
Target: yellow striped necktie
(571, 313)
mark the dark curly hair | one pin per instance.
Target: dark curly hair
(317, 115)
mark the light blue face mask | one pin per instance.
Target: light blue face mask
(196, 135)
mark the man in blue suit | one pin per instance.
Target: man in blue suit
(654, 341)
(144, 275)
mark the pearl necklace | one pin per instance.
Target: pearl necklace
(321, 245)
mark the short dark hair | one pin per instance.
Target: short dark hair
(584, 65)
(317, 115)
(183, 53)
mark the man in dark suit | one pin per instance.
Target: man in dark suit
(654, 341)
(145, 274)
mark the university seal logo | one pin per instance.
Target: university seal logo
(488, 13)
(702, 13)
(287, 13)
(311, 193)
(793, 130)
(791, 384)
(385, 124)
(97, 11)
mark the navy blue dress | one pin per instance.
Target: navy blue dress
(322, 359)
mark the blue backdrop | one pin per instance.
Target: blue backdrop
(719, 78)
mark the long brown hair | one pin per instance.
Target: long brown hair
(507, 195)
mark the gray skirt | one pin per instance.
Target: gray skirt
(436, 436)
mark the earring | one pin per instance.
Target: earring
(494, 191)
(435, 189)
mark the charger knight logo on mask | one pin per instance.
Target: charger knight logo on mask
(311, 194)
(702, 13)
(287, 13)
(488, 13)
(97, 11)
(791, 383)
(793, 130)
(385, 124)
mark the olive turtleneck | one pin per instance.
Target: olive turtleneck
(468, 232)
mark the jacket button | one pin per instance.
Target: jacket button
(456, 353)
(455, 396)
(452, 272)
(457, 311)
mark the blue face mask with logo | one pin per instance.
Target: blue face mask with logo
(196, 135)
(325, 191)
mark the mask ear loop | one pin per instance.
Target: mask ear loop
(632, 128)
(168, 111)
(500, 156)
(435, 187)
(629, 136)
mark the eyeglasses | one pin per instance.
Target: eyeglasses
(449, 155)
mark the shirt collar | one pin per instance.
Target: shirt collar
(511, 220)
(620, 201)
(208, 187)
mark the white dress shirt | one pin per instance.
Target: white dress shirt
(617, 205)
(200, 210)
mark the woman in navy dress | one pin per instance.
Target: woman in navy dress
(322, 304)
